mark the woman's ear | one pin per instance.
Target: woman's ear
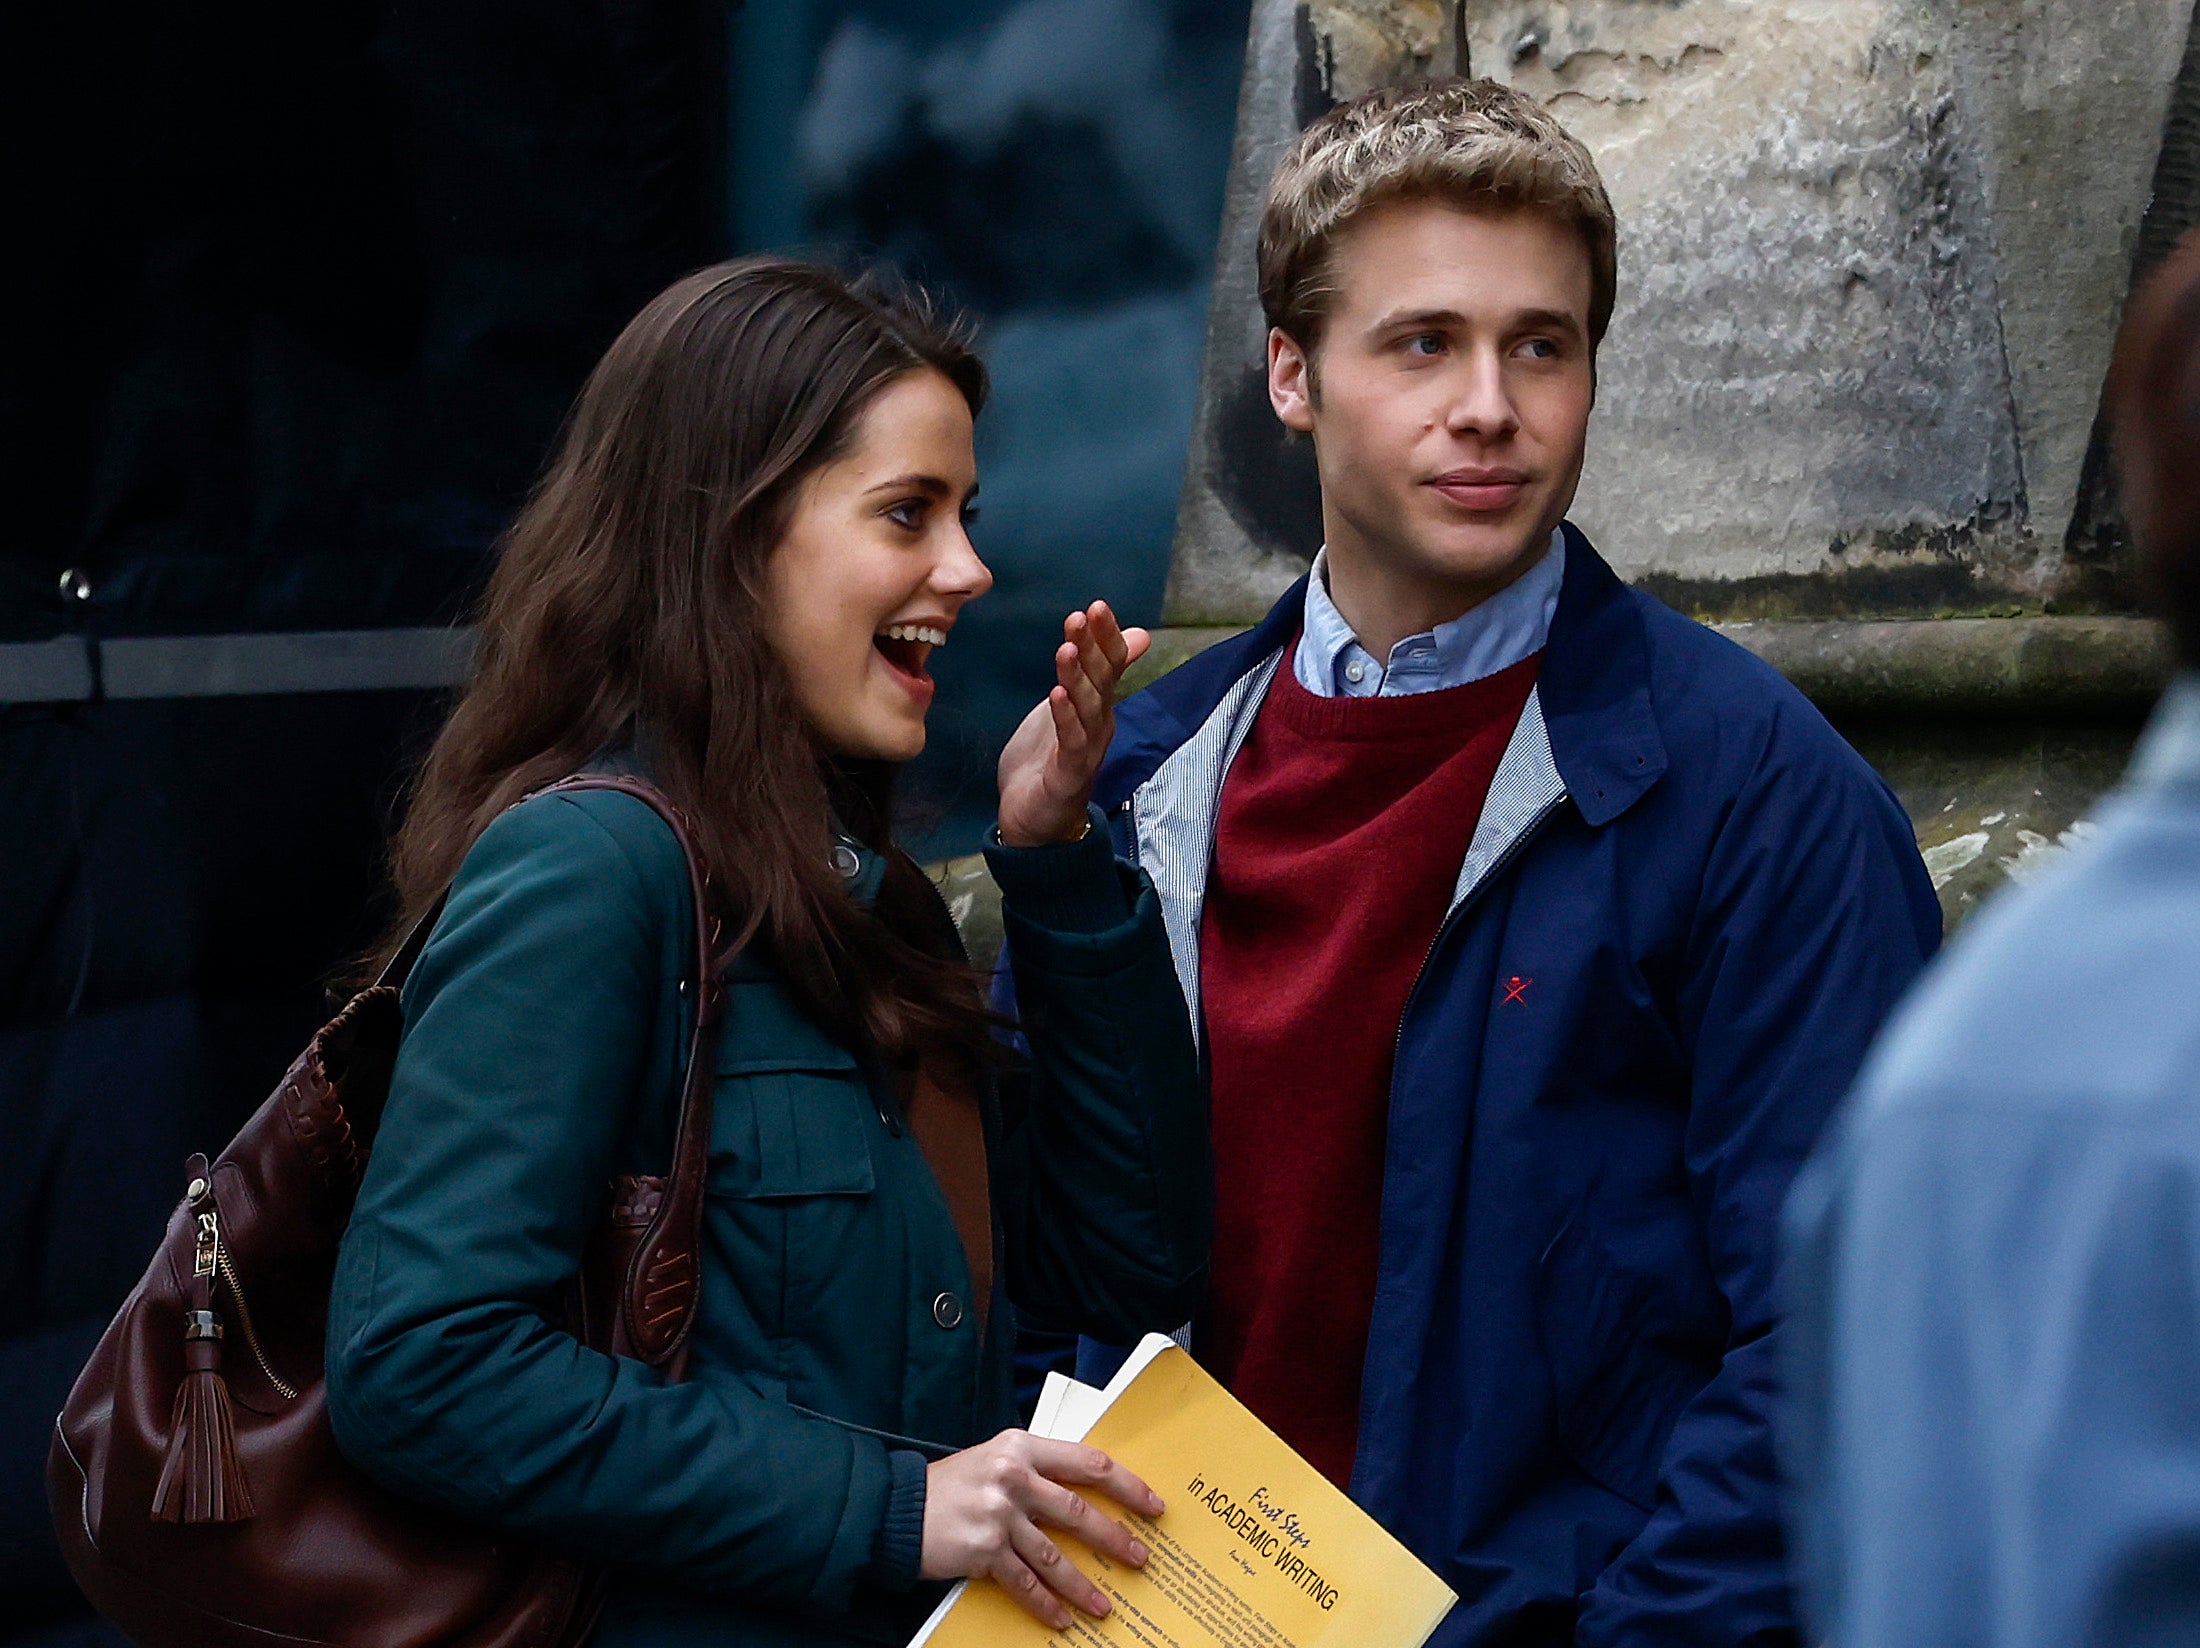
(1290, 381)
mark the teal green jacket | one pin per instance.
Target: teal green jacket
(776, 1496)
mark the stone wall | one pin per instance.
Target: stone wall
(1251, 514)
(1873, 257)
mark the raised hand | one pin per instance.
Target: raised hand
(1049, 765)
(985, 1510)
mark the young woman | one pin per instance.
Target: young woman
(731, 581)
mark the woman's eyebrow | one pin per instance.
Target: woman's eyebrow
(931, 485)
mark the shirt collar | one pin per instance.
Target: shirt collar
(1511, 625)
(2170, 751)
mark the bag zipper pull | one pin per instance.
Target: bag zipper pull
(210, 1260)
(202, 1476)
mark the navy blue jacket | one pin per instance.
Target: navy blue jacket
(1687, 907)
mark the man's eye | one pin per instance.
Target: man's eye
(1542, 348)
(1424, 343)
(970, 515)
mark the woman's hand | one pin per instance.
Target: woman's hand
(1048, 768)
(984, 1508)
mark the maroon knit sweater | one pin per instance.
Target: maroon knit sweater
(1344, 821)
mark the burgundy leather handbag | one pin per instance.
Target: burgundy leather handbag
(198, 1491)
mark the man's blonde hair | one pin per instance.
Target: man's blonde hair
(1477, 144)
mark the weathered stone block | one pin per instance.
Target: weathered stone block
(1994, 801)
(1873, 259)
(1960, 667)
(1251, 513)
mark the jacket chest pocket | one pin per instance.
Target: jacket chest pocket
(794, 1193)
(793, 1125)
(788, 1128)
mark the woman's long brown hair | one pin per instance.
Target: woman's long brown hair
(626, 608)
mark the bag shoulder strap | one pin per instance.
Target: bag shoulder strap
(662, 1286)
(398, 968)
(663, 1282)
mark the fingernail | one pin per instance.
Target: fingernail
(1138, 1554)
(1155, 1505)
(1100, 1606)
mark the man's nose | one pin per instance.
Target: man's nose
(1483, 403)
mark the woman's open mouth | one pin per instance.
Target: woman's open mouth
(906, 648)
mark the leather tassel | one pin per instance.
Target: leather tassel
(202, 1479)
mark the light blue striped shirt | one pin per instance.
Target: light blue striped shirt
(1509, 626)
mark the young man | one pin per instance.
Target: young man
(1529, 929)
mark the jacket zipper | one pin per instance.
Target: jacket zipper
(212, 1259)
(1503, 863)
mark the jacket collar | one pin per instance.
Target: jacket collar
(1176, 742)
(2169, 754)
(1593, 685)
(1152, 725)
(859, 868)
(1595, 688)
(1509, 626)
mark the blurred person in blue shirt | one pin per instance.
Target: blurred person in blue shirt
(1993, 1430)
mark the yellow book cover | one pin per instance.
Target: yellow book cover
(1257, 1549)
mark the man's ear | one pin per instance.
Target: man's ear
(1290, 381)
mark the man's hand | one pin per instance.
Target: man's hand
(984, 1507)
(1048, 768)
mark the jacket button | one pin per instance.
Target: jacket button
(947, 1310)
